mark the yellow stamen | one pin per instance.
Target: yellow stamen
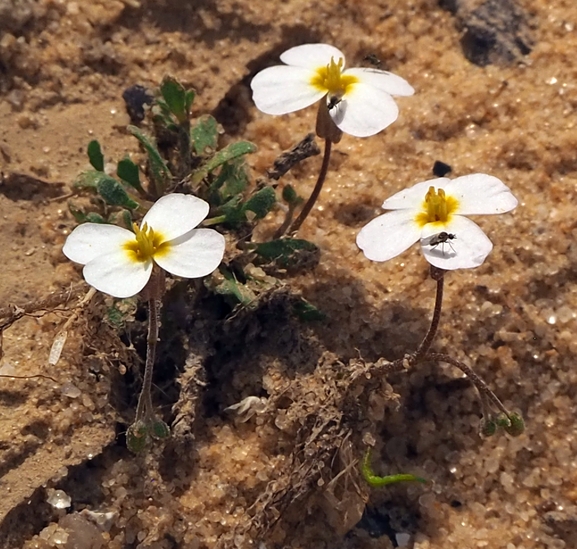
(331, 79)
(146, 244)
(437, 208)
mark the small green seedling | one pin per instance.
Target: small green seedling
(376, 481)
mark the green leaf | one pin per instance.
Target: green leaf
(78, 215)
(231, 152)
(204, 135)
(115, 316)
(307, 311)
(189, 99)
(284, 250)
(88, 180)
(177, 98)
(236, 292)
(82, 217)
(93, 217)
(234, 150)
(127, 170)
(233, 210)
(261, 202)
(111, 190)
(231, 181)
(95, 155)
(288, 253)
(127, 219)
(160, 172)
(290, 196)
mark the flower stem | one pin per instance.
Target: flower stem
(438, 275)
(144, 408)
(316, 191)
(481, 386)
(285, 224)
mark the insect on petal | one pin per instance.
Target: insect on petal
(467, 249)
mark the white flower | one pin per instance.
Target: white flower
(119, 262)
(359, 100)
(432, 212)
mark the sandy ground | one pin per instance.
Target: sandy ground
(224, 483)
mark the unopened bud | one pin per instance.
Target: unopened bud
(137, 437)
(488, 427)
(289, 195)
(325, 127)
(516, 425)
(159, 429)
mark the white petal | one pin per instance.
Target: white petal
(388, 235)
(481, 194)
(175, 214)
(413, 197)
(115, 274)
(468, 249)
(311, 56)
(194, 254)
(364, 111)
(89, 240)
(382, 80)
(283, 89)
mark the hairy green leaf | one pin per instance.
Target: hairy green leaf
(160, 172)
(113, 193)
(283, 248)
(231, 152)
(176, 98)
(261, 202)
(307, 311)
(204, 135)
(231, 181)
(236, 292)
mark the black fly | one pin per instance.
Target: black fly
(440, 238)
(373, 60)
(333, 102)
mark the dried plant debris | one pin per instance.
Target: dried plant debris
(495, 31)
(322, 418)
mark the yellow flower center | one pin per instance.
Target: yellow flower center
(146, 244)
(437, 208)
(331, 79)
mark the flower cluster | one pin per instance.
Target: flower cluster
(359, 102)
(120, 262)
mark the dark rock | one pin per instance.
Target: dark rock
(135, 98)
(495, 31)
(563, 524)
(440, 169)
